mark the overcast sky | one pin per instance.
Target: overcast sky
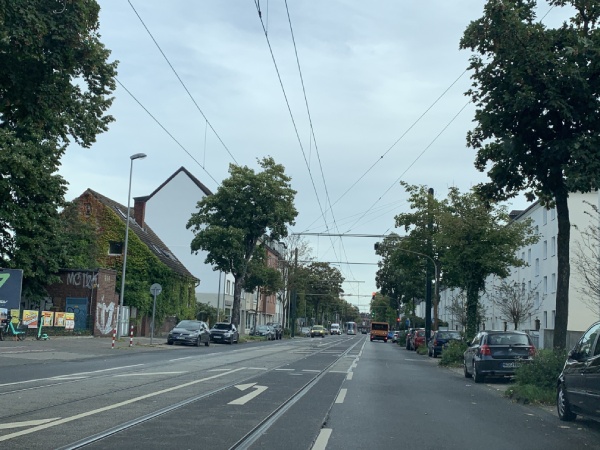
(384, 81)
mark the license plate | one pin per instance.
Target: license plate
(511, 365)
(180, 337)
(217, 337)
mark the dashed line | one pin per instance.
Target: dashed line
(322, 439)
(349, 376)
(341, 396)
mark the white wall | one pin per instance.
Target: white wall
(167, 213)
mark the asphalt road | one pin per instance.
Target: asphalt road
(340, 392)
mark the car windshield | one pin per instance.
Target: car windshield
(262, 328)
(317, 327)
(420, 333)
(508, 339)
(189, 325)
(448, 335)
(222, 326)
(379, 326)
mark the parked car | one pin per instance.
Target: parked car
(194, 332)
(578, 386)
(277, 328)
(224, 332)
(305, 331)
(335, 329)
(265, 331)
(390, 335)
(497, 353)
(395, 336)
(417, 339)
(317, 330)
(440, 340)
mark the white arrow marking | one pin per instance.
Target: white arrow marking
(243, 387)
(28, 423)
(246, 398)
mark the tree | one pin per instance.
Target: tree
(479, 240)
(458, 309)
(55, 85)
(245, 208)
(514, 301)
(587, 262)
(537, 94)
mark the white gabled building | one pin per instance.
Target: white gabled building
(169, 209)
(540, 274)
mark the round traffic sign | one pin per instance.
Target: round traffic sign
(155, 289)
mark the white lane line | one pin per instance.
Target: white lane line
(70, 376)
(27, 423)
(284, 370)
(219, 370)
(148, 373)
(322, 439)
(256, 368)
(349, 376)
(341, 396)
(310, 370)
(179, 359)
(111, 407)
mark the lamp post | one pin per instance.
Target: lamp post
(120, 311)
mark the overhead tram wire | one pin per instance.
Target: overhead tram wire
(166, 131)
(289, 108)
(413, 163)
(395, 143)
(314, 139)
(181, 81)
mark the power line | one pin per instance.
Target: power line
(181, 81)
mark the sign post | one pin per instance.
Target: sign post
(155, 290)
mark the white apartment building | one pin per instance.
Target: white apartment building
(539, 274)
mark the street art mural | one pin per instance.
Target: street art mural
(105, 316)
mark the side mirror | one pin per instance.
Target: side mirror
(574, 354)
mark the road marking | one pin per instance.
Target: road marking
(219, 370)
(148, 373)
(70, 376)
(246, 398)
(341, 396)
(110, 407)
(310, 370)
(322, 439)
(349, 376)
(283, 370)
(243, 387)
(179, 359)
(256, 368)
(28, 423)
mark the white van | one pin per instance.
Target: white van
(335, 329)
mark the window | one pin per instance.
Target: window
(115, 248)
(228, 287)
(537, 229)
(523, 256)
(529, 286)
(553, 214)
(537, 267)
(537, 300)
(545, 285)
(87, 207)
(553, 246)
(545, 319)
(545, 249)
(529, 256)
(553, 281)
(544, 216)
(553, 318)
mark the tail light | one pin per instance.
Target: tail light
(435, 342)
(532, 351)
(484, 350)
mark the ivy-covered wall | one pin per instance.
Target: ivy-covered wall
(143, 266)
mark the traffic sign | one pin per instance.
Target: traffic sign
(155, 289)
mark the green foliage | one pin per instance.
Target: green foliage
(544, 370)
(452, 356)
(55, 84)
(247, 207)
(422, 349)
(259, 274)
(537, 94)
(530, 393)
(206, 313)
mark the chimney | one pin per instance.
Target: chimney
(139, 211)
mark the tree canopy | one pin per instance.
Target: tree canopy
(55, 85)
(537, 94)
(248, 206)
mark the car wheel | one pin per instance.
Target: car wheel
(169, 342)
(433, 353)
(562, 405)
(467, 374)
(476, 375)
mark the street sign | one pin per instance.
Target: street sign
(155, 289)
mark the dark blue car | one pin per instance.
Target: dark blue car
(440, 339)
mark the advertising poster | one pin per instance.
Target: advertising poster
(59, 319)
(15, 314)
(47, 318)
(69, 321)
(30, 318)
(10, 287)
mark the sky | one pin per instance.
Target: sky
(200, 86)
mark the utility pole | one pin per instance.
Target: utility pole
(428, 270)
(294, 295)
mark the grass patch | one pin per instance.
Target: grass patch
(529, 393)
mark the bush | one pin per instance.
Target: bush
(452, 356)
(422, 349)
(536, 382)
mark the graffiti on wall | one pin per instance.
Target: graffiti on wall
(83, 279)
(104, 316)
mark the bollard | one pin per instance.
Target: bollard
(131, 336)
(113, 339)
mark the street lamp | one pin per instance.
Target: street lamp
(120, 311)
